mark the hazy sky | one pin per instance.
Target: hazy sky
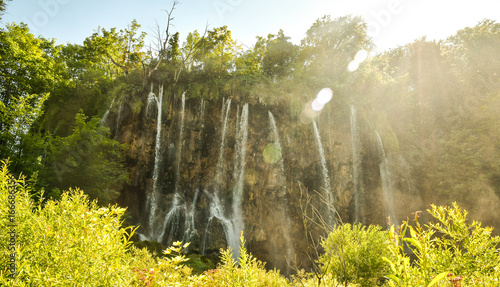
(391, 22)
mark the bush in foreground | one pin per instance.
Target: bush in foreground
(64, 243)
(353, 254)
(448, 251)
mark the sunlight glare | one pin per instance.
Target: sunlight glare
(361, 56)
(358, 59)
(324, 96)
(317, 106)
(353, 66)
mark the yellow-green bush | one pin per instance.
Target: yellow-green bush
(248, 271)
(353, 254)
(447, 245)
(70, 242)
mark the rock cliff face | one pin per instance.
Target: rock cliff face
(203, 170)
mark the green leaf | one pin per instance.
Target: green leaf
(414, 242)
(437, 278)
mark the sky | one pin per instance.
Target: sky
(391, 23)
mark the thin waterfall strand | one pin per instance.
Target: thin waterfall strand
(356, 166)
(152, 201)
(238, 177)
(387, 186)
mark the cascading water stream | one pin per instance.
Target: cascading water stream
(189, 221)
(356, 167)
(238, 178)
(180, 145)
(276, 138)
(387, 186)
(220, 160)
(324, 168)
(173, 216)
(284, 208)
(119, 115)
(152, 199)
(104, 118)
(189, 224)
(326, 178)
(216, 207)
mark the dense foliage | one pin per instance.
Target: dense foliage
(353, 254)
(74, 241)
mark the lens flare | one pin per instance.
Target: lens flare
(353, 66)
(361, 56)
(317, 106)
(272, 153)
(324, 96)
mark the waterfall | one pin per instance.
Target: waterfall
(152, 199)
(118, 117)
(238, 177)
(276, 138)
(220, 160)
(356, 167)
(189, 221)
(324, 168)
(190, 216)
(327, 197)
(284, 207)
(387, 186)
(104, 118)
(216, 207)
(173, 217)
(180, 144)
(217, 212)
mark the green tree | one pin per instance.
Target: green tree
(3, 6)
(216, 53)
(118, 51)
(279, 56)
(330, 45)
(87, 159)
(28, 73)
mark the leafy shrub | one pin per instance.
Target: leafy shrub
(247, 272)
(66, 243)
(447, 249)
(353, 254)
